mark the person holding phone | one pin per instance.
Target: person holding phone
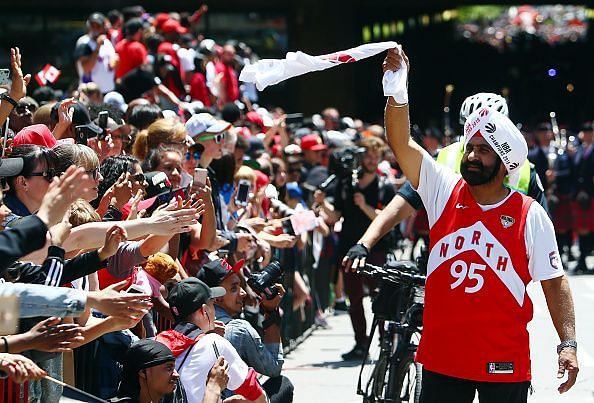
(209, 132)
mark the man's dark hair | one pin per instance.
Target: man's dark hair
(114, 15)
(44, 95)
(131, 27)
(132, 12)
(143, 115)
(230, 112)
(242, 143)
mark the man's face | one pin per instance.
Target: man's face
(480, 164)
(21, 116)
(161, 378)
(371, 160)
(96, 29)
(232, 301)
(228, 54)
(313, 157)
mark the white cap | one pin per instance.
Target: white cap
(116, 100)
(205, 123)
(501, 134)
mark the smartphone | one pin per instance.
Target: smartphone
(243, 191)
(102, 120)
(200, 175)
(294, 118)
(80, 135)
(135, 289)
(9, 314)
(4, 77)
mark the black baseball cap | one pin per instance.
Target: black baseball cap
(10, 167)
(213, 273)
(188, 295)
(80, 116)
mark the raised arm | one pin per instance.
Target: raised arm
(408, 153)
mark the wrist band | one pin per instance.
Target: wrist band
(8, 99)
(5, 344)
(395, 106)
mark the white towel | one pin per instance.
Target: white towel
(267, 72)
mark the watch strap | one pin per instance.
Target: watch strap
(8, 99)
(273, 318)
(565, 344)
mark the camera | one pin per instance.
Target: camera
(344, 161)
(264, 281)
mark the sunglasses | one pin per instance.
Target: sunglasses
(195, 154)
(218, 138)
(94, 173)
(47, 175)
(22, 108)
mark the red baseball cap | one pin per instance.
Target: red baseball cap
(255, 118)
(160, 19)
(312, 142)
(172, 25)
(35, 134)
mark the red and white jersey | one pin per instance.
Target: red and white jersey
(476, 305)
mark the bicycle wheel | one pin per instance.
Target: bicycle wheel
(380, 376)
(408, 376)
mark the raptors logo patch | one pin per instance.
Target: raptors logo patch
(490, 128)
(554, 259)
(507, 221)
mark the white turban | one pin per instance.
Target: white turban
(502, 135)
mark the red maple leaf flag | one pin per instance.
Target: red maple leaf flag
(49, 74)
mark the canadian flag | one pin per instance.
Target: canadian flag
(267, 72)
(49, 74)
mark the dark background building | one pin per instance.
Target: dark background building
(47, 31)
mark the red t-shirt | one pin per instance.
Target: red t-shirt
(229, 81)
(132, 54)
(476, 304)
(199, 90)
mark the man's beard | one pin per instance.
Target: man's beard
(480, 177)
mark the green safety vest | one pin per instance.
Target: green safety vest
(451, 156)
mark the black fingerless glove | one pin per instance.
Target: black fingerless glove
(358, 251)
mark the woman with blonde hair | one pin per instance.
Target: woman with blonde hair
(80, 156)
(162, 132)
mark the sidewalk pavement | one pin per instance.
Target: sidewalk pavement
(316, 368)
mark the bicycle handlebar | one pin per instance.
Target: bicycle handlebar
(392, 272)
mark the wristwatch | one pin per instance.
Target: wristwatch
(5, 97)
(567, 343)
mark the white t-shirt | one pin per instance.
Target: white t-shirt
(436, 184)
(102, 74)
(194, 372)
(186, 58)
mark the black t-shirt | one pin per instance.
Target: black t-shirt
(355, 221)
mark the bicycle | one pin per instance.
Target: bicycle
(398, 305)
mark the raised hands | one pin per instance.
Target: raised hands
(18, 89)
(112, 302)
